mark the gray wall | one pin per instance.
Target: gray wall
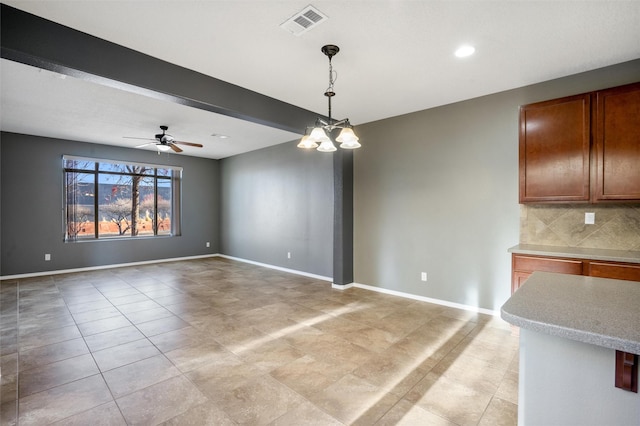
(436, 191)
(278, 200)
(32, 216)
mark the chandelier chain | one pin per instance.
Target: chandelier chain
(333, 76)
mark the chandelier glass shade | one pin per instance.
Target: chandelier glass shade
(319, 136)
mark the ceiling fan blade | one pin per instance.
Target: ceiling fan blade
(144, 144)
(199, 145)
(142, 139)
(174, 147)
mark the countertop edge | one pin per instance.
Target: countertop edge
(626, 256)
(571, 333)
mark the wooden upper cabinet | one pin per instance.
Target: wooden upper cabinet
(617, 144)
(583, 148)
(555, 149)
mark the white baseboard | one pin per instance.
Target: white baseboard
(372, 288)
(265, 265)
(428, 299)
(99, 267)
(278, 268)
(341, 286)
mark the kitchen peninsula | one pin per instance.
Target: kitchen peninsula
(573, 330)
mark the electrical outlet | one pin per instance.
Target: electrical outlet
(288, 255)
(208, 244)
(589, 218)
(423, 276)
(47, 257)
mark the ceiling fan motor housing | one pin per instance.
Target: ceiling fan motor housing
(163, 137)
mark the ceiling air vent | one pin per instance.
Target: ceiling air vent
(303, 21)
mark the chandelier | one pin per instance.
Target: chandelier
(319, 136)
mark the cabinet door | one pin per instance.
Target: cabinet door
(518, 279)
(617, 144)
(554, 150)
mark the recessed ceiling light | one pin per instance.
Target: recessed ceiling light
(216, 135)
(464, 51)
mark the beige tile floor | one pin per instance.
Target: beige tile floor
(219, 342)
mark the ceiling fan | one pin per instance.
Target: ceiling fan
(165, 142)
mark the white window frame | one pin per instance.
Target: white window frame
(92, 166)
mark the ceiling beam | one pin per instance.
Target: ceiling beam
(41, 43)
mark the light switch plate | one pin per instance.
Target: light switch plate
(589, 218)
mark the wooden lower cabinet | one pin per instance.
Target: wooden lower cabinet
(522, 266)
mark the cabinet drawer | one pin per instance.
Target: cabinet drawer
(619, 271)
(532, 264)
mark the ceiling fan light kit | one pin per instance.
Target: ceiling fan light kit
(165, 142)
(319, 136)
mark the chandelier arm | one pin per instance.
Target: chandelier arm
(342, 123)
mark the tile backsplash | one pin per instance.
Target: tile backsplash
(616, 227)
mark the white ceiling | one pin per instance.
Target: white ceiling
(44, 103)
(396, 57)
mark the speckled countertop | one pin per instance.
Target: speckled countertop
(578, 253)
(599, 311)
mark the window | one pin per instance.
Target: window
(108, 199)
